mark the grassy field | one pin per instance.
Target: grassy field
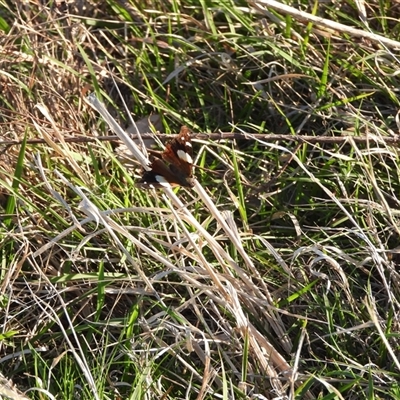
(276, 276)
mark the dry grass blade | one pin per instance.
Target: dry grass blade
(123, 136)
(323, 22)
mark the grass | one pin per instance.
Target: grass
(276, 276)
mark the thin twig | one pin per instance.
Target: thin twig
(225, 136)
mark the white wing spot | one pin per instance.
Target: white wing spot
(185, 156)
(162, 181)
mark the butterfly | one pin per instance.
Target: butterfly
(174, 168)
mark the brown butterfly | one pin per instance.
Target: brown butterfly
(174, 168)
